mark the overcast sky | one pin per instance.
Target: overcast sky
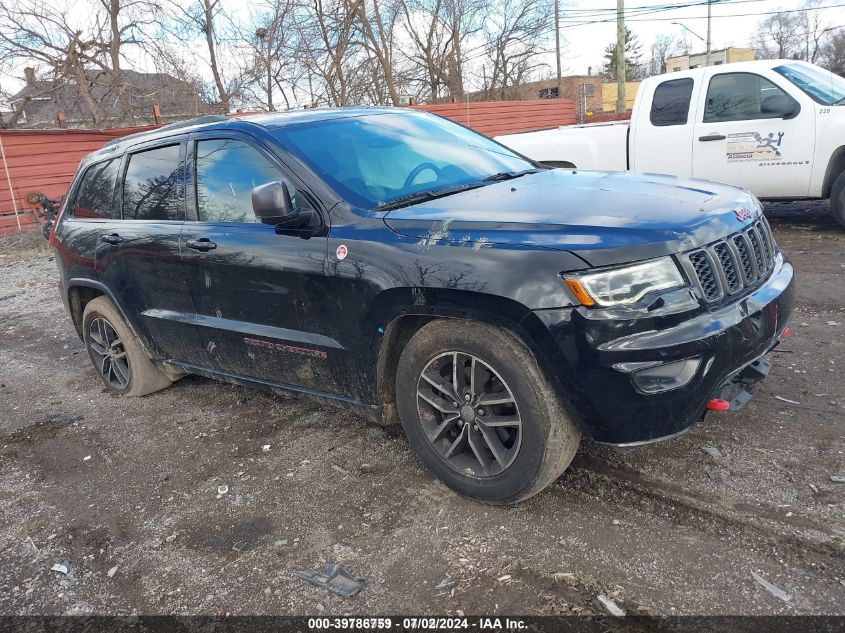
(585, 43)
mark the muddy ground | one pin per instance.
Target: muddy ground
(127, 491)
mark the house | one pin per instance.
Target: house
(128, 102)
(722, 56)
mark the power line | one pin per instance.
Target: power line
(704, 17)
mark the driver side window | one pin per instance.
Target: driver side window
(742, 96)
(227, 170)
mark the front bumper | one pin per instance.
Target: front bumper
(596, 356)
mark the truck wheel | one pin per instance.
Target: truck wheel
(837, 199)
(479, 412)
(117, 355)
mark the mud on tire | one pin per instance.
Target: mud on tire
(120, 360)
(479, 412)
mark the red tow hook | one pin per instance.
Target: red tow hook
(717, 404)
(785, 334)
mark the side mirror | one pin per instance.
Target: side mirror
(272, 202)
(782, 106)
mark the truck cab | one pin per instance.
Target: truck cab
(774, 127)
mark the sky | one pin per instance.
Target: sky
(585, 43)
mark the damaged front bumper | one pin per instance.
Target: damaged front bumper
(641, 380)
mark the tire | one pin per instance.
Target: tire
(125, 368)
(533, 450)
(837, 199)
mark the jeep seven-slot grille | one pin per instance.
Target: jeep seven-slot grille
(728, 266)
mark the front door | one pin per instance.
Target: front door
(138, 253)
(259, 295)
(742, 138)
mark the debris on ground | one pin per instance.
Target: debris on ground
(776, 591)
(239, 546)
(832, 323)
(112, 571)
(787, 400)
(612, 608)
(266, 448)
(448, 581)
(86, 458)
(63, 568)
(340, 469)
(714, 452)
(222, 489)
(334, 578)
(838, 479)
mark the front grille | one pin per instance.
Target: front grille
(729, 266)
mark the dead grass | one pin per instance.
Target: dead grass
(23, 246)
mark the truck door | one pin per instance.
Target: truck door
(661, 135)
(751, 133)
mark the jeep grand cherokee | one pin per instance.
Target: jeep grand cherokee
(406, 267)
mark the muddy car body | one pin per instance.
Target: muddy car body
(499, 309)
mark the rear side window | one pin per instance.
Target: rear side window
(227, 172)
(95, 196)
(740, 97)
(153, 188)
(670, 105)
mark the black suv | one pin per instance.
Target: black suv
(402, 265)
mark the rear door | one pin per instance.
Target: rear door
(138, 252)
(742, 138)
(260, 295)
(661, 137)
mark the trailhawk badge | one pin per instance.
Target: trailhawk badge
(743, 214)
(341, 252)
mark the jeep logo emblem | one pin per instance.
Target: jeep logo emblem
(743, 214)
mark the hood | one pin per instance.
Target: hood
(603, 217)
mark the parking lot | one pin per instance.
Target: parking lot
(126, 492)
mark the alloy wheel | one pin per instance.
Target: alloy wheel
(109, 354)
(469, 414)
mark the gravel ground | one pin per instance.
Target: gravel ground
(127, 491)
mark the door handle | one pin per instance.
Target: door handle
(203, 245)
(712, 137)
(114, 238)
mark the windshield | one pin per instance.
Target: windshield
(821, 85)
(378, 159)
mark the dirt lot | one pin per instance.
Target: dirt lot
(126, 491)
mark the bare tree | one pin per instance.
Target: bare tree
(515, 33)
(377, 20)
(207, 18)
(664, 47)
(778, 36)
(270, 37)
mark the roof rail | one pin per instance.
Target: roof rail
(200, 120)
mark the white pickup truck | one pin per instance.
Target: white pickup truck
(774, 127)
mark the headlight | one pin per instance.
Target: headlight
(624, 286)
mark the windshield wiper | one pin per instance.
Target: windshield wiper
(424, 196)
(509, 175)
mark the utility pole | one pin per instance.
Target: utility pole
(620, 56)
(557, 48)
(709, 7)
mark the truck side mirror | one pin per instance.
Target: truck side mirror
(272, 202)
(780, 105)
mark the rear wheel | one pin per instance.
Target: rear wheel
(116, 354)
(479, 412)
(837, 199)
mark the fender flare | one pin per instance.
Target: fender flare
(835, 166)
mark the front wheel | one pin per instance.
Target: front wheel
(479, 412)
(837, 199)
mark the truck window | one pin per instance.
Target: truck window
(670, 105)
(740, 97)
(152, 188)
(95, 196)
(227, 172)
